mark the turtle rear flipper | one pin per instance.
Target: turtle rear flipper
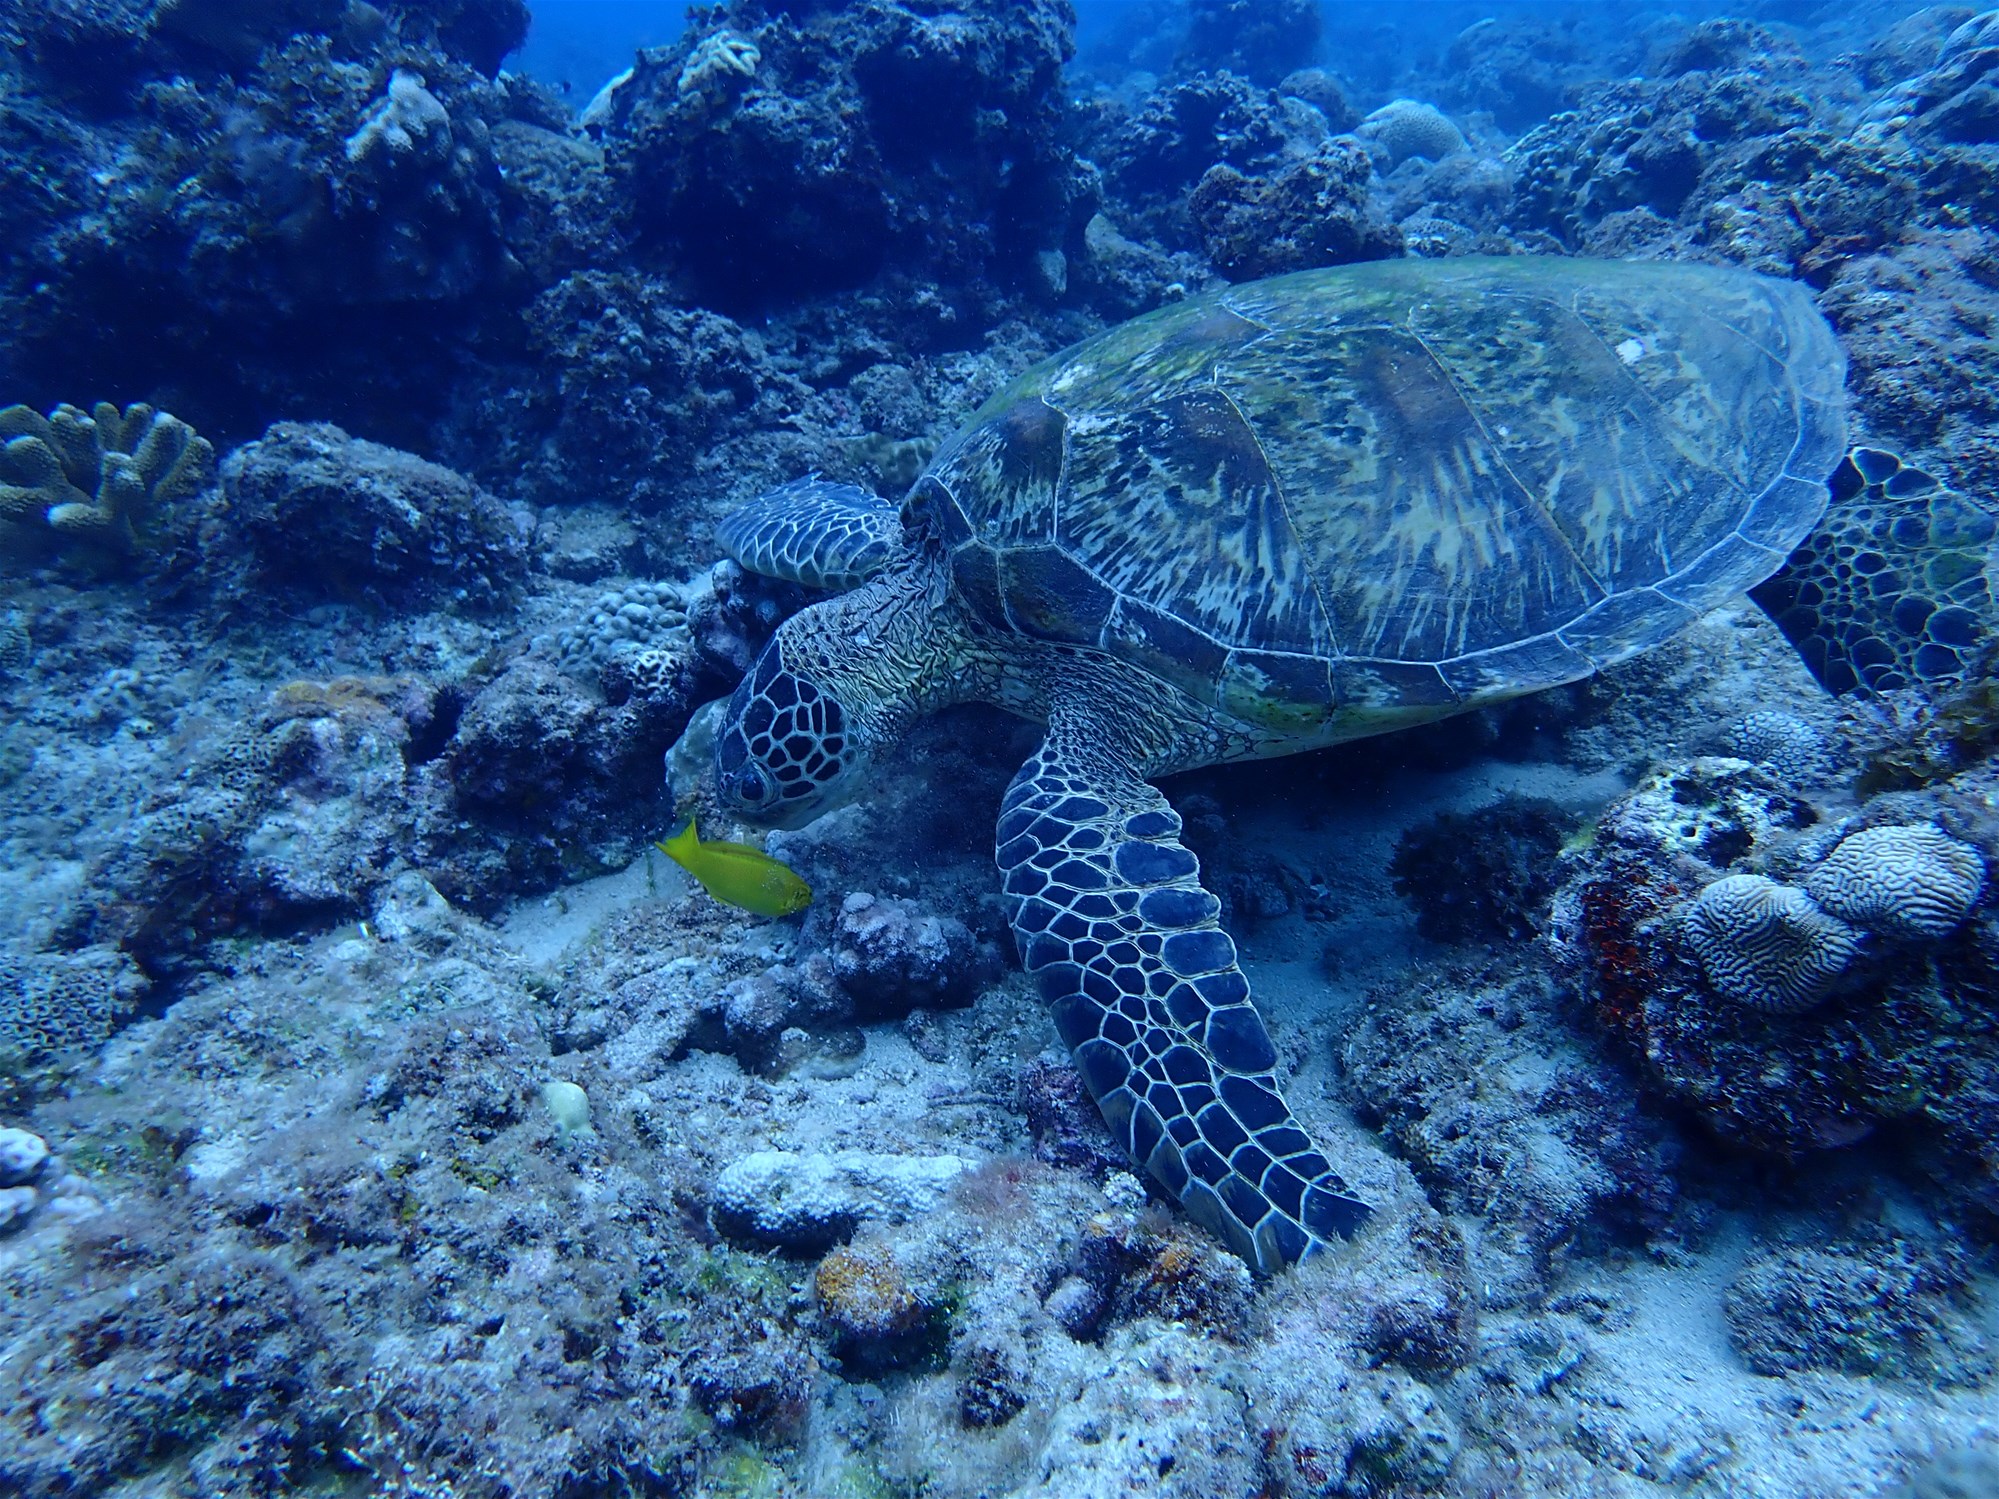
(1899, 584)
(1125, 946)
(815, 532)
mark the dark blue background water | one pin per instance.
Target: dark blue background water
(578, 44)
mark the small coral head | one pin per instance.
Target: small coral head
(788, 749)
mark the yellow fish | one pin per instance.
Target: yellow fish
(738, 874)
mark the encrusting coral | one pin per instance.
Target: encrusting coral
(95, 477)
(1768, 945)
(1916, 882)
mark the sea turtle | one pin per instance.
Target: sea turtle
(1275, 517)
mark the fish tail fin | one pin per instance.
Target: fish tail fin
(681, 844)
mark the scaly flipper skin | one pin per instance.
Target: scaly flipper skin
(1124, 944)
(1899, 585)
(811, 531)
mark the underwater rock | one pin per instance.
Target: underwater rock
(1322, 91)
(188, 165)
(216, 1339)
(1483, 875)
(1506, 1122)
(22, 1156)
(1519, 68)
(1065, 1123)
(1154, 1420)
(1381, 1432)
(1189, 1279)
(1916, 883)
(1888, 1310)
(1915, 320)
(877, 1321)
(16, 1203)
(1954, 98)
(1153, 156)
(749, 1368)
(326, 515)
(892, 954)
(556, 773)
(1310, 212)
(1956, 1473)
(804, 1204)
(625, 389)
(1766, 945)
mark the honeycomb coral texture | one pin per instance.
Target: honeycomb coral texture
(1788, 746)
(1915, 882)
(1766, 945)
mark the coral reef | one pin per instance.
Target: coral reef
(1703, 966)
(859, 142)
(383, 1115)
(53, 1001)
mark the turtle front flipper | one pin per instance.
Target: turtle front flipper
(1898, 586)
(1124, 943)
(812, 531)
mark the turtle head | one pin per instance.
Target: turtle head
(789, 746)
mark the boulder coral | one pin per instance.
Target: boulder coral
(1406, 128)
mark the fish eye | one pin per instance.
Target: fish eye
(751, 786)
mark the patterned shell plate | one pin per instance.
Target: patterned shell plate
(1395, 489)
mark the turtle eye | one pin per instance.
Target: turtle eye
(751, 786)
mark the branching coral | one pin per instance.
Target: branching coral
(94, 478)
(1916, 882)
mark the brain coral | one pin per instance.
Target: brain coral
(1407, 128)
(1914, 882)
(1766, 945)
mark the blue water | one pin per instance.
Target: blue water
(576, 45)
